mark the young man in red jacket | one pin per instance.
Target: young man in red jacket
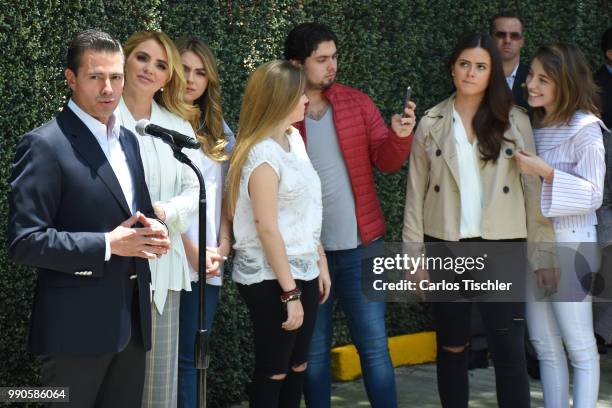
(345, 136)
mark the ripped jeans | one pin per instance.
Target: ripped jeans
(504, 324)
(278, 351)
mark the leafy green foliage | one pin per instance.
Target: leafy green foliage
(384, 45)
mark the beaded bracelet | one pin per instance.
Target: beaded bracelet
(293, 297)
(290, 295)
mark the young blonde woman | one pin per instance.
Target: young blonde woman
(274, 197)
(464, 186)
(203, 92)
(154, 90)
(571, 161)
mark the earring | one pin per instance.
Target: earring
(161, 89)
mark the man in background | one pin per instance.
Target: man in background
(507, 30)
(345, 137)
(603, 78)
(602, 311)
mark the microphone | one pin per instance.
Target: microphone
(171, 137)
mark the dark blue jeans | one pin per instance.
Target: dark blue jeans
(366, 322)
(188, 325)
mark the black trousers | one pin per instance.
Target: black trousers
(276, 349)
(504, 326)
(106, 380)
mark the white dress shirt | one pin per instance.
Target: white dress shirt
(107, 136)
(470, 185)
(510, 78)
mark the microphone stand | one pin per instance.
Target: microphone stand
(201, 337)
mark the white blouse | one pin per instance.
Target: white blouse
(213, 173)
(174, 187)
(577, 153)
(299, 213)
(470, 185)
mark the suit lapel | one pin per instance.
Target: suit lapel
(519, 79)
(518, 88)
(129, 148)
(89, 148)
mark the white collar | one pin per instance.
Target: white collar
(552, 136)
(97, 128)
(513, 74)
(156, 112)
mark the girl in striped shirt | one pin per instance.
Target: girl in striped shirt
(571, 162)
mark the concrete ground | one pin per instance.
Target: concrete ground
(416, 387)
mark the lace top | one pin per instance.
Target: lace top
(299, 213)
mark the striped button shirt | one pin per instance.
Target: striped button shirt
(577, 154)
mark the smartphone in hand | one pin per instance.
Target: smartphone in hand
(406, 100)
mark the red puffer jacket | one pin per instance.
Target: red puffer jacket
(364, 140)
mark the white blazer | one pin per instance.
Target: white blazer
(174, 187)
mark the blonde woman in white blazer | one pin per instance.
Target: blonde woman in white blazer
(154, 89)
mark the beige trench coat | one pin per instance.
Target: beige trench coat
(510, 201)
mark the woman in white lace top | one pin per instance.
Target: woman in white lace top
(274, 197)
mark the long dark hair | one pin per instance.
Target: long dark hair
(492, 118)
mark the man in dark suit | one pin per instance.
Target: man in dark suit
(77, 213)
(602, 311)
(603, 77)
(507, 30)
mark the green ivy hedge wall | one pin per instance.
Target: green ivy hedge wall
(383, 46)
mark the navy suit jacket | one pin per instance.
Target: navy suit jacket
(64, 197)
(604, 81)
(519, 88)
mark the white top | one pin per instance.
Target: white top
(175, 187)
(213, 173)
(510, 78)
(299, 213)
(577, 153)
(108, 139)
(470, 185)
